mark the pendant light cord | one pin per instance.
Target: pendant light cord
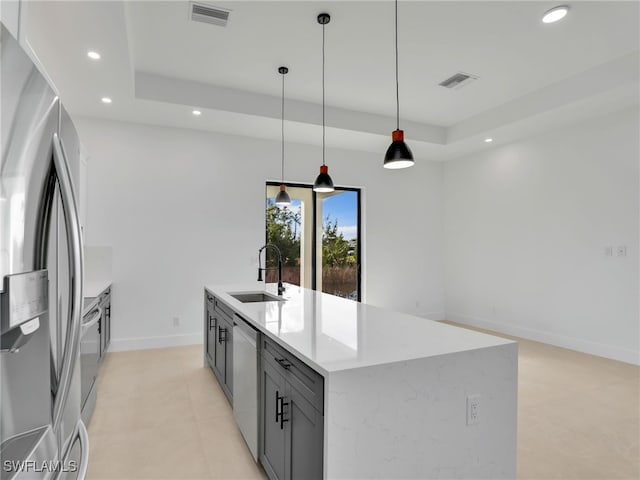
(323, 124)
(282, 128)
(397, 82)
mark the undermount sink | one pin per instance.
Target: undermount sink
(255, 297)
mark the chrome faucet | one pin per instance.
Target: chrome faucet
(260, 269)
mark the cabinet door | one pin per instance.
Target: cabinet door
(304, 438)
(103, 333)
(108, 324)
(272, 445)
(210, 337)
(228, 357)
(219, 358)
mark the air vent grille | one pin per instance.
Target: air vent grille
(458, 80)
(201, 12)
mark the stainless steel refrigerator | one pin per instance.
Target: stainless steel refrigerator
(41, 265)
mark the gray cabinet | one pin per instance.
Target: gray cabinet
(292, 417)
(94, 344)
(107, 314)
(291, 407)
(305, 440)
(228, 358)
(219, 342)
(105, 322)
(219, 360)
(272, 453)
(210, 331)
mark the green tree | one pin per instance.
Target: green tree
(284, 232)
(335, 249)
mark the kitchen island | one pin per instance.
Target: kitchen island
(400, 396)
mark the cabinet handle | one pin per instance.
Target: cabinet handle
(222, 331)
(212, 323)
(284, 363)
(282, 419)
(280, 411)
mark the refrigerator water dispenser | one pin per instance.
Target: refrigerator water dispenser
(24, 299)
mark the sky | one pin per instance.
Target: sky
(343, 207)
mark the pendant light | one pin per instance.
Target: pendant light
(283, 199)
(323, 182)
(398, 154)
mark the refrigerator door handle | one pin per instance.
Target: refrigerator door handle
(79, 433)
(84, 442)
(74, 245)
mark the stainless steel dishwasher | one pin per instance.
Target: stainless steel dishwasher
(245, 381)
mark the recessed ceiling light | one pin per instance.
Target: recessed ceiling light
(93, 55)
(197, 112)
(106, 100)
(488, 140)
(555, 14)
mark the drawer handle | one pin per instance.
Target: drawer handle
(284, 363)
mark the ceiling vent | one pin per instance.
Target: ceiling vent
(201, 12)
(458, 80)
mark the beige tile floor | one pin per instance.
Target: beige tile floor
(160, 414)
(578, 415)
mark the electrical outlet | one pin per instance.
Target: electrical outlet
(473, 409)
(621, 251)
(176, 321)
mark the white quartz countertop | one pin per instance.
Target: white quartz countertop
(332, 334)
(95, 288)
(90, 292)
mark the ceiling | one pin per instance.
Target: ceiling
(158, 65)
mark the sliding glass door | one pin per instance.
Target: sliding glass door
(337, 240)
(290, 229)
(320, 237)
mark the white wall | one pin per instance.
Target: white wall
(184, 208)
(525, 231)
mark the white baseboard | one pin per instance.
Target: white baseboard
(143, 343)
(626, 355)
(433, 316)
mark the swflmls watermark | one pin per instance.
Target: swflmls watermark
(48, 466)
